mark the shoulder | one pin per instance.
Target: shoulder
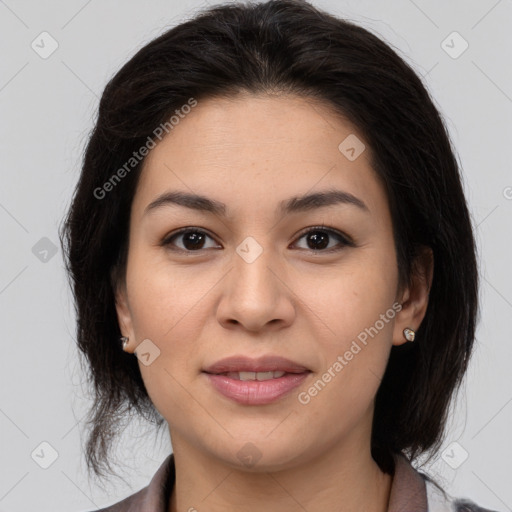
(439, 501)
(152, 498)
(131, 503)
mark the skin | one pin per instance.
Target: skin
(251, 152)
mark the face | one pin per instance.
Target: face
(313, 281)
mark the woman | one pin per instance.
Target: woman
(271, 255)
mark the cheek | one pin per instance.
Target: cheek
(351, 296)
(355, 316)
(354, 353)
(161, 295)
(165, 310)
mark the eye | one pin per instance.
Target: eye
(318, 237)
(193, 239)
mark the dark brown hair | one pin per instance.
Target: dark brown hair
(282, 46)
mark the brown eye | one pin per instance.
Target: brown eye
(191, 239)
(318, 238)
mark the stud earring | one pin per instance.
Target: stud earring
(124, 341)
(409, 334)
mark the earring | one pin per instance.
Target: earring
(409, 334)
(124, 341)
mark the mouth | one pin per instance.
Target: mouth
(255, 381)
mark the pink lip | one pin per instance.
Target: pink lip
(266, 363)
(255, 392)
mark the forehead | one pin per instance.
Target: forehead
(254, 151)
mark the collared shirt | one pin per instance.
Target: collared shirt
(411, 491)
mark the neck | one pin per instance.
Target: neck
(342, 478)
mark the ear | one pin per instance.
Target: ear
(414, 297)
(124, 316)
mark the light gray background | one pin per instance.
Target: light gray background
(47, 109)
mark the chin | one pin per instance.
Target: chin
(259, 456)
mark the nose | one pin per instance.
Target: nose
(256, 295)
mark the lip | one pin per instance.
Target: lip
(267, 363)
(254, 392)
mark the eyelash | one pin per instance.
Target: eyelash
(344, 240)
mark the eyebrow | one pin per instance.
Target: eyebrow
(292, 205)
